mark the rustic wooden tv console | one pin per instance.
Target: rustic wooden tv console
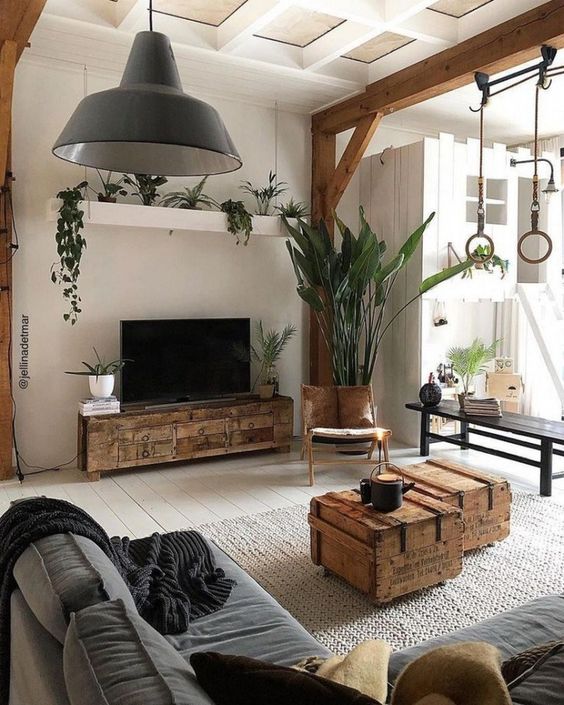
(137, 438)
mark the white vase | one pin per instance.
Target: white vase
(102, 385)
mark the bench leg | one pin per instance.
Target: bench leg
(546, 468)
(423, 437)
(464, 433)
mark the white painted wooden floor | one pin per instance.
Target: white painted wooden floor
(169, 497)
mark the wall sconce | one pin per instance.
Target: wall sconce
(551, 186)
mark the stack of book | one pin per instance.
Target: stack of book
(482, 407)
(93, 406)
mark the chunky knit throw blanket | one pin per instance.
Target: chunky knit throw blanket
(172, 577)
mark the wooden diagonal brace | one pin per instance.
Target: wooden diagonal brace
(350, 160)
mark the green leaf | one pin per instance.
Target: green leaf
(391, 268)
(447, 273)
(311, 297)
(412, 242)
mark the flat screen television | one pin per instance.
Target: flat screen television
(184, 359)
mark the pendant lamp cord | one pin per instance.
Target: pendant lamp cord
(480, 211)
(150, 15)
(535, 206)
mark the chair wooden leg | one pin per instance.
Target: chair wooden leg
(372, 448)
(302, 454)
(310, 464)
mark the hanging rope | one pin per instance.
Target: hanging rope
(535, 205)
(481, 211)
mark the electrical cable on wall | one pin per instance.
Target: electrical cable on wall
(20, 460)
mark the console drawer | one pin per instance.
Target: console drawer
(244, 423)
(145, 435)
(144, 451)
(200, 428)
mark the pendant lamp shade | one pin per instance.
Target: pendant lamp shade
(148, 125)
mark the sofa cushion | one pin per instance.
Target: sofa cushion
(238, 680)
(113, 657)
(64, 573)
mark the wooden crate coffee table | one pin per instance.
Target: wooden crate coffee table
(485, 500)
(386, 555)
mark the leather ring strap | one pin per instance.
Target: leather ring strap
(482, 259)
(521, 242)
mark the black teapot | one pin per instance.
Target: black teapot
(387, 488)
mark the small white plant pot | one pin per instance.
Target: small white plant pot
(101, 386)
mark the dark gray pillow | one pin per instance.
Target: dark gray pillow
(64, 573)
(114, 657)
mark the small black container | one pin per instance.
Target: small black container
(365, 491)
(430, 394)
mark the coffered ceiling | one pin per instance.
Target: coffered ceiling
(301, 54)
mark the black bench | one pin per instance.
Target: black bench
(546, 433)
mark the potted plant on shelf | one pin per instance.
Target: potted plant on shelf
(468, 362)
(191, 198)
(293, 209)
(101, 375)
(110, 188)
(489, 264)
(265, 194)
(146, 187)
(267, 352)
(70, 248)
(348, 290)
(239, 220)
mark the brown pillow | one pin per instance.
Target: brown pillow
(355, 408)
(238, 680)
(321, 408)
(522, 665)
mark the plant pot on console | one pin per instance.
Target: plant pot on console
(266, 391)
(101, 385)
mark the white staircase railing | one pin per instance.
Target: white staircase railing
(546, 321)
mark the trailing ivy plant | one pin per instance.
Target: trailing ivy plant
(145, 187)
(239, 220)
(70, 247)
(489, 264)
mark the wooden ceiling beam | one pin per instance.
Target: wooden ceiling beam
(17, 20)
(502, 47)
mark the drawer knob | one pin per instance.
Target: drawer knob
(146, 437)
(145, 454)
(201, 431)
(251, 425)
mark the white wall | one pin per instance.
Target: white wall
(130, 273)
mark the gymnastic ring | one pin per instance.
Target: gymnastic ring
(480, 260)
(522, 239)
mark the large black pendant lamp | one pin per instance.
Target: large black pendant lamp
(148, 125)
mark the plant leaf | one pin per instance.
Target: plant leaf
(447, 273)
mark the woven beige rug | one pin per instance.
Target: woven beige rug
(273, 547)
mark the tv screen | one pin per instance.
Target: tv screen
(184, 359)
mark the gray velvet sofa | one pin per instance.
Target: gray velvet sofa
(69, 632)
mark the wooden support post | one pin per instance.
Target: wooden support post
(322, 170)
(8, 56)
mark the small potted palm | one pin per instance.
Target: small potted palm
(101, 375)
(471, 361)
(267, 352)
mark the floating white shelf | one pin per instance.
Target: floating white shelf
(130, 215)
